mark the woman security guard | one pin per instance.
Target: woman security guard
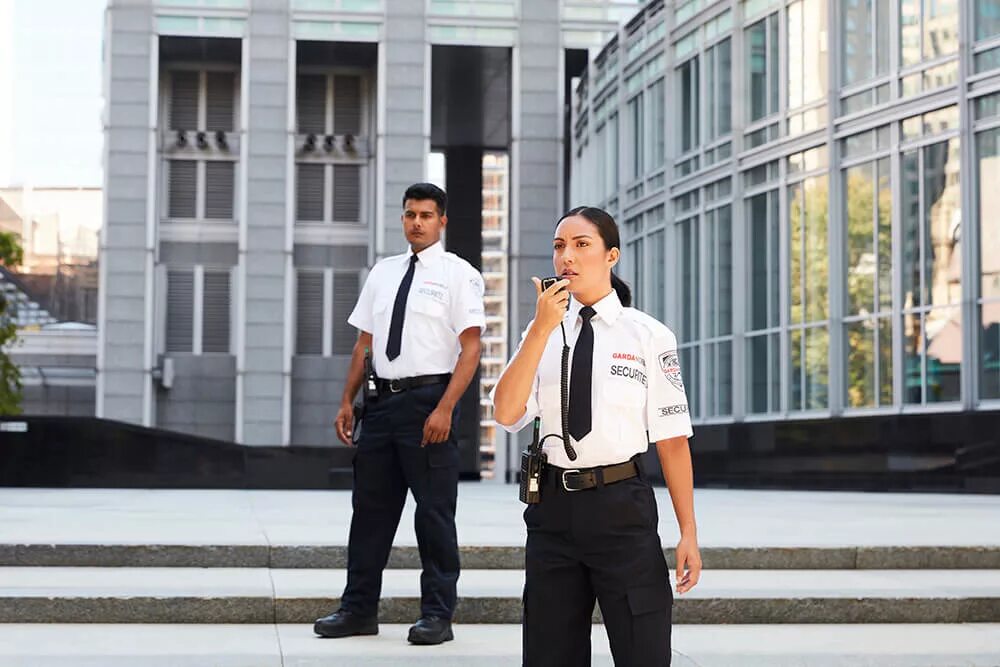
(593, 535)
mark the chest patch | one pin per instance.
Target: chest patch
(629, 373)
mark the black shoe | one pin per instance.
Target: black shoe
(345, 624)
(431, 630)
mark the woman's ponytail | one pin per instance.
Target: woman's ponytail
(624, 293)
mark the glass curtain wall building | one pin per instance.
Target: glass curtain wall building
(810, 198)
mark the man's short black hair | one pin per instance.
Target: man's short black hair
(427, 191)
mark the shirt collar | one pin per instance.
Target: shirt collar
(608, 308)
(429, 255)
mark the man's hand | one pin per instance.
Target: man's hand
(688, 564)
(437, 427)
(345, 423)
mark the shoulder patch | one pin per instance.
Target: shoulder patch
(670, 365)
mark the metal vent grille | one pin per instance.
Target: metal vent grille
(309, 316)
(346, 286)
(220, 101)
(182, 186)
(347, 104)
(180, 310)
(346, 193)
(309, 191)
(311, 104)
(184, 100)
(215, 316)
(219, 179)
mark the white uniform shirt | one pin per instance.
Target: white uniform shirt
(445, 299)
(638, 395)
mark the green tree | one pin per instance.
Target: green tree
(10, 376)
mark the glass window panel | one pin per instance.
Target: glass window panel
(858, 40)
(795, 369)
(942, 212)
(807, 68)
(657, 103)
(940, 28)
(763, 222)
(690, 279)
(637, 143)
(911, 85)
(724, 378)
(989, 350)
(759, 384)
(724, 268)
(909, 28)
(987, 106)
(756, 39)
(796, 78)
(689, 371)
(796, 224)
(884, 238)
(859, 144)
(943, 331)
(910, 219)
(857, 102)
(988, 173)
(939, 77)
(611, 151)
(882, 40)
(988, 60)
(859, 195)
(913, 354)
(987, 19)
(885, 360)
(658, 249)
(774, 62)
(689, 105)
(816, 253)
(816, 348)
(859, 346)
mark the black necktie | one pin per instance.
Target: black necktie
(579, 383)
(399, 312)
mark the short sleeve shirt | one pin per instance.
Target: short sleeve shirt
(638, 394)
(445, 299)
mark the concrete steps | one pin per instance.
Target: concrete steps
(484, 557)
(262, 595)
(56, 645)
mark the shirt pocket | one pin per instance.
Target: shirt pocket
(550, 408)
(621, 412)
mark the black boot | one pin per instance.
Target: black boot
(343, 623)
(431, 630)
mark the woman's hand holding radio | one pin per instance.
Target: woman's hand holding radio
(553, 300)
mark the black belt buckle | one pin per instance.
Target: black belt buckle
(565, 485)
(395, 387)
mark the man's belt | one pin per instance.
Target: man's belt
(588, 478)
(402, 384)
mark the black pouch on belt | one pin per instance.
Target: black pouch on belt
(532, 465)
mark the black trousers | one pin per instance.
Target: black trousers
(601, 544)
(389, 461)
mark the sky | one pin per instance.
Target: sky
(51, 92)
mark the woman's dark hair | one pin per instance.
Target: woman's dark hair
(608, 229)
(419, 191)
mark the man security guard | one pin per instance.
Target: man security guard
(593, 535)
(420, 317)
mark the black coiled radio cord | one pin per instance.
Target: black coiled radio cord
(564, 400)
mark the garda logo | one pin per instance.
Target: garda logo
(671, 367)
(628, 356)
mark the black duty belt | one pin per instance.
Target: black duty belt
(587, 478)
(402, 384)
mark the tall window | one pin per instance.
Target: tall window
(762, 65)
(807, 55)
(865, 38)
(808, 283)
(718, 90)
(988, 203)
(636, 136)
(867, 202)
(688, 258)
(689, 92)
(611, 155)
(657, 125)
(931, 272)
(987, 19)
(928, 29)
(718, 349)
(764, 317)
